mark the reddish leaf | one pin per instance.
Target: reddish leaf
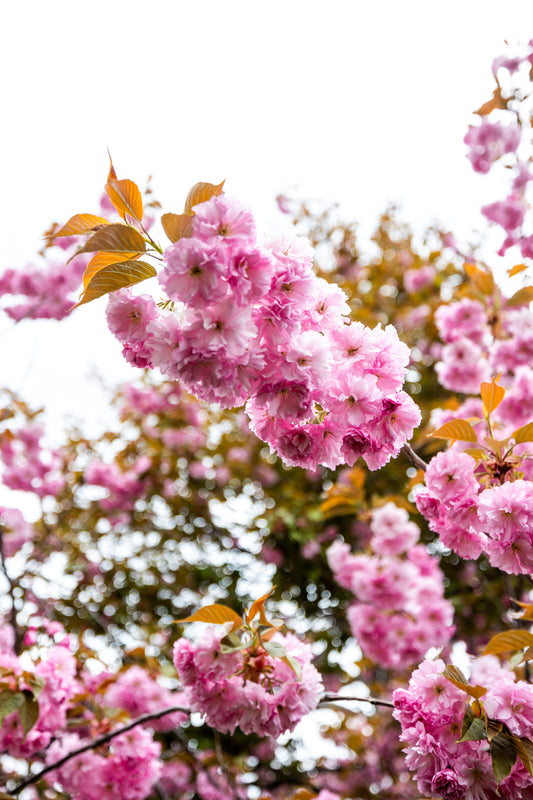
(492, 394)
(126, 198)
(524, 434)
(116, 276)
(455, 676)
(527, 610)
(507, 641)
(522, 297)
(177, 226)
(216, 614)
(516, 269)
(482, 279)
(105, 259)
(496, 101)
(116, 237)
(456, 429)
(81, 224)
(200, 193)
(258, 607)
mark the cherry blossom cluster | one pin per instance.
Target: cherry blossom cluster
(15, 531)
(50, 679)
(400, 610)
(28, 465)
(508, 141)
(45, 292)
(255, 325)
(431, 712)
(472, 353)
(248, 688)
(470, 519)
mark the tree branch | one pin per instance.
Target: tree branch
(415, 459)
(107, 737)
(337, 698)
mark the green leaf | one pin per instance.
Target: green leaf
(9, 701)
(508, 640)
(275, 649)
(295, 665)
(216, 614)
(503, 753)
(473, 727)
(524, 749)
(28, 712)
(114, 277)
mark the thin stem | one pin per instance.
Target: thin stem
(17, 633)
(338, 698)
(107, 737)
(414, 458)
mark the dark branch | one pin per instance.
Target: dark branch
(338, 698)
(414, 458)
(107, 737)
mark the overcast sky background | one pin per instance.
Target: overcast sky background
(360, 103)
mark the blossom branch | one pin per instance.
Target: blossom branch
(414, 458)
(11, 591)
(107, 737)
(337, 698)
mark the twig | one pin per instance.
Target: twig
(96, 743)
(17, 633)
(337, 698)
(414, 458)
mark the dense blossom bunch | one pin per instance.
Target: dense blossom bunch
(248, 689)
(256, 325)
(489, 141)
(14, 530)
(431, 714)
(400, 611)
(56, 672)
(471, 519)
(28, 465)
(47, 292)
(127, 771)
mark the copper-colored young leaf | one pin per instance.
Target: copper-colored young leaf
(496, 101)
(81, 224)
(482, 279)
(217, 614)
(456, 429)
(528, 655)
(455, 676)
(507, 641)
(338, 506)
(116, 276)
(101, 260)
(115, 237)
(516, 270)
(493, 728)
(522, 297)
(492, 394)
(126, 198)
(177, 226)
(258, 607)
(200, 193)
(523, 434)
(527, 613)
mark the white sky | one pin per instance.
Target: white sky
(356, 102)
